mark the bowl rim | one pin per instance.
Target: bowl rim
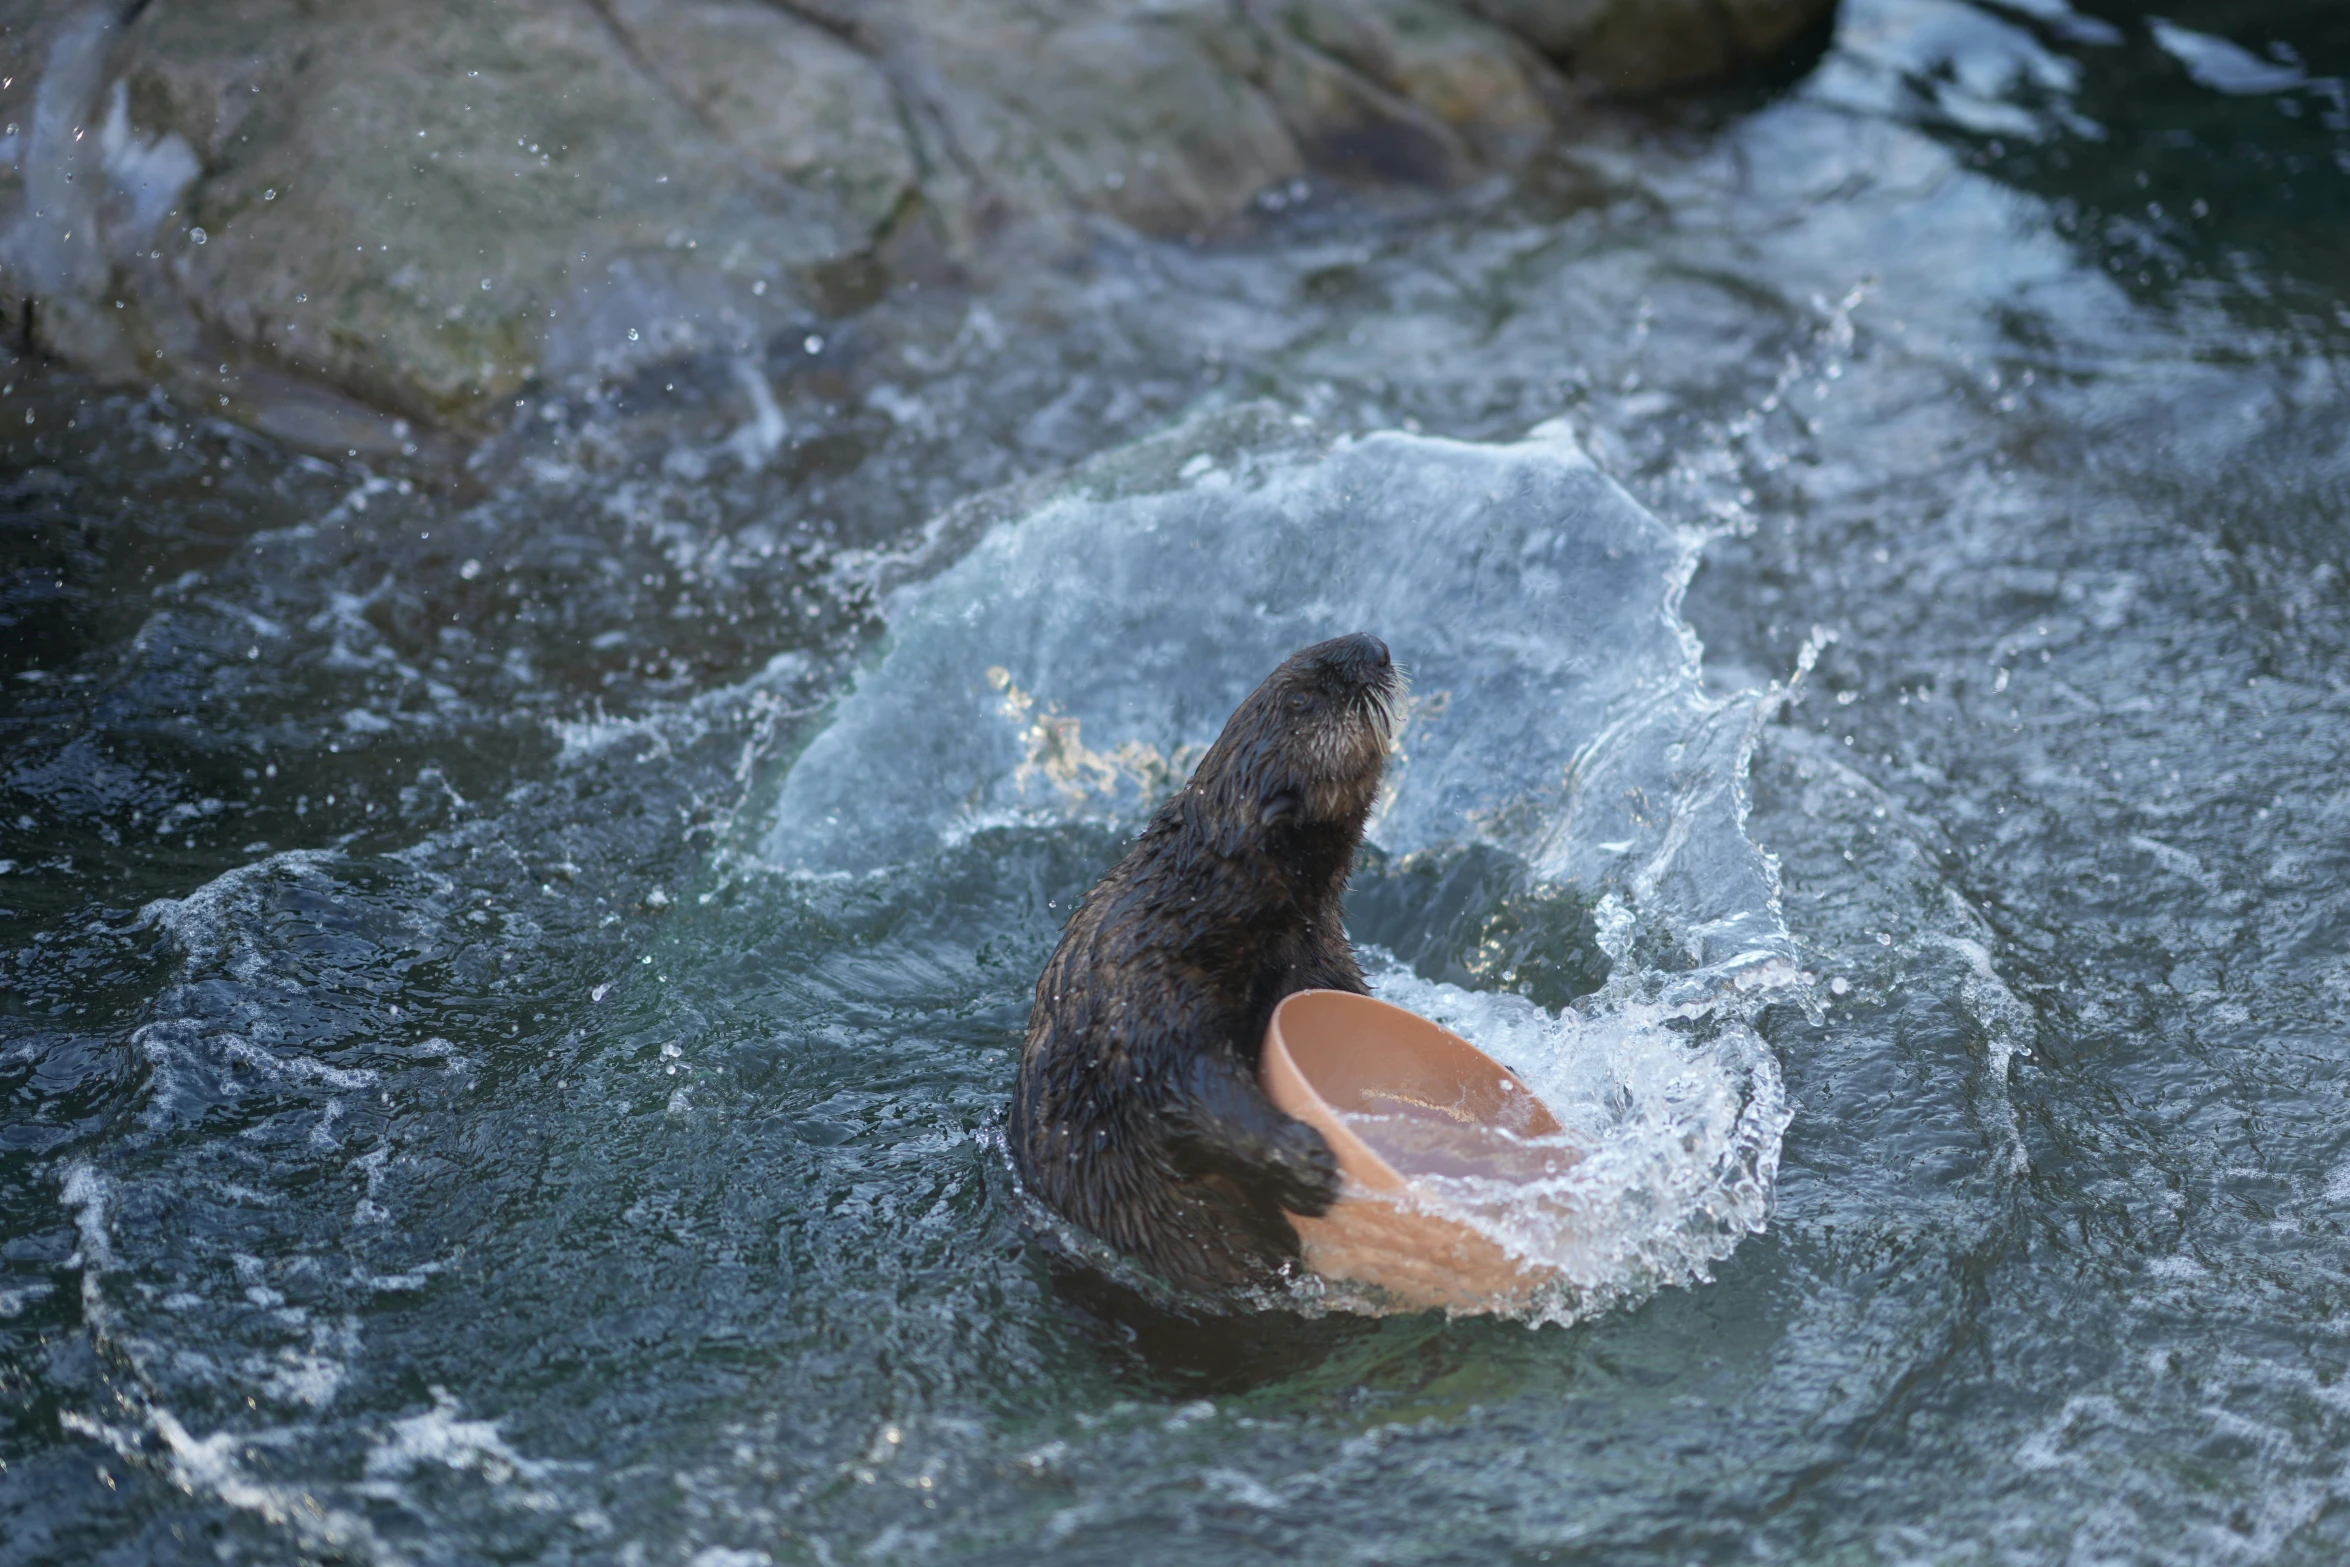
(1294, 1093)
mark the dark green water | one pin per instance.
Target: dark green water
(509, 990)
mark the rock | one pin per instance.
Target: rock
(1643, 46)
(1471, 85)
(353, 223)
(787, 94)
(1035, 115)
(410, 209)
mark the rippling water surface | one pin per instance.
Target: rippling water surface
(511, 986)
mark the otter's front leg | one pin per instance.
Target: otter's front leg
(1224, 1118)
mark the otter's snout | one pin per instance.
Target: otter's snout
(1359, 666)
(1360, 657)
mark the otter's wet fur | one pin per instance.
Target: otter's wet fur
(1138, 1114)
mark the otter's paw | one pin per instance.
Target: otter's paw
(1306, 1171)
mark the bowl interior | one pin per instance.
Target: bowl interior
(1424, 1100)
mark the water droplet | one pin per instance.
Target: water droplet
(813, 344)
(197, 236)
(632, 334)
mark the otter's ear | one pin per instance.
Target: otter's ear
(1280, 808)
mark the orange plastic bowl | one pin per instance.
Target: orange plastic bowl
(1400, 1098)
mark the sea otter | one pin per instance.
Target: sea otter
(1138, 1114)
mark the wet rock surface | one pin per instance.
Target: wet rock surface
(353, 226)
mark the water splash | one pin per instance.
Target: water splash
(1670, 1122)
(1072, 665)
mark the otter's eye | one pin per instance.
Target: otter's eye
(1298, 704)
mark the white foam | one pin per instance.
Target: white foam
(2223, 66)
(441, 1435)
(14, 1301)
(208, 1465)
(765, 695)
(86, 1193)
(1676, 1142)
(203, 925)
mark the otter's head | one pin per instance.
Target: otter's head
(1304, 753)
